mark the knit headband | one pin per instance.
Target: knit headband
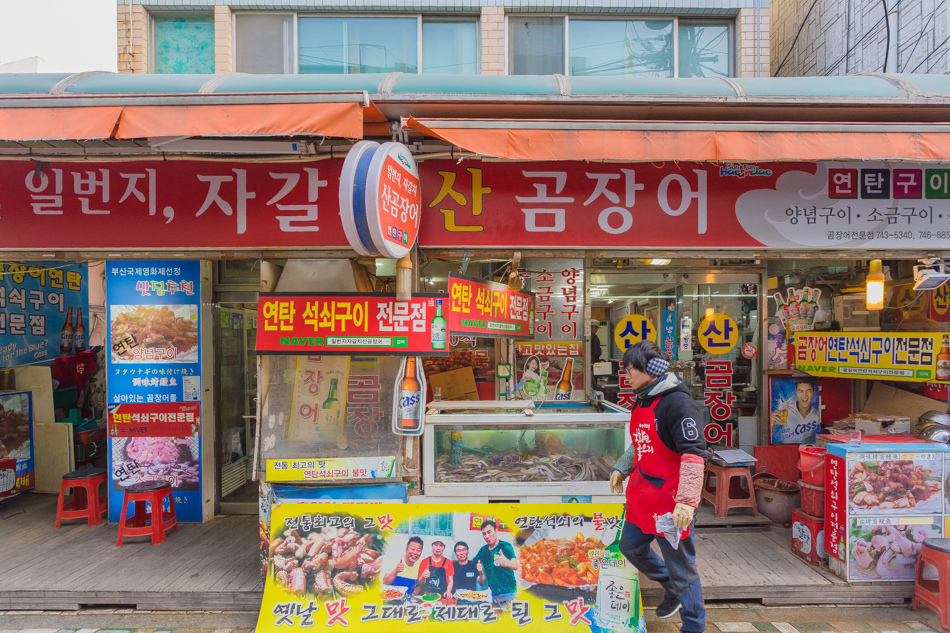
(656, 367)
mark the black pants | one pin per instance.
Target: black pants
(676, 571)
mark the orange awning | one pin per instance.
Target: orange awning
(686, 141)
(34, 124)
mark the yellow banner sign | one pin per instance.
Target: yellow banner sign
(390, 568)
(330, 469)
(916, 356)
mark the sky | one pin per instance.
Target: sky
(72, 35)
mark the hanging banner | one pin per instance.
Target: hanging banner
(891, 355)
(489, 309)
(668, 333)
(561, 204)
(558, 287)
(41, 311)
(399, 567)
(359, 324)
(170, 204)
(549, 371)
(154, 372)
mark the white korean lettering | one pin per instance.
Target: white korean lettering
(297, 223)
(532, 215)
(243, 195)
(46, 204)
(87, 186)
(687, 196)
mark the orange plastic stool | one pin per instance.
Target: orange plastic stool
(728, 492)
(934, 593)
(85, 504)
(150, 493)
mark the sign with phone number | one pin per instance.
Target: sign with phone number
(489, 309)
(893, 356)
(342, 324)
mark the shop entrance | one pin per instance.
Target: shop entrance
(708, 321)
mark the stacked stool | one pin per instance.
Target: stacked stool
(145, 522)
(86, 503)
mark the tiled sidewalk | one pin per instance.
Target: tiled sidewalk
(738, 618)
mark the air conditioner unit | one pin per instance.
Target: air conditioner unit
(851, 313)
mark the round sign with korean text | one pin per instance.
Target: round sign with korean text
(353, 197)
(633, 329)
(393, 200)
(941, 299)
(718, 334)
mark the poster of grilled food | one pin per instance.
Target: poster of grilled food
(398, 567)
(154, 333)
(895, 483)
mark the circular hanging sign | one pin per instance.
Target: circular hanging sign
(393, 200)
(909, 301)
(718, 334)
(941, 299)
(749, 351)
(633, 329)
(353, 198)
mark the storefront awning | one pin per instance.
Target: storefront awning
(689, 141)
(338, 115)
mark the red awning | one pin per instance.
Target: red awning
(689, 141)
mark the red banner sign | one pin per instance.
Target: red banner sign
(561, 349)
(178, 204)
(155, 419)
(490, 309)
(341, 324)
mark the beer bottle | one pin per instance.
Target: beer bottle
(79, 333)
(564, 386)
(439, 330)
(66, 334)
(330, 417)
(943, 360)
(410, 398)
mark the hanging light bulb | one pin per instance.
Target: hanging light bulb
(875, 286)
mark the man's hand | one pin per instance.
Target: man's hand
(425, 575)
(683, 515)
(400, 567)
(480, 567)
(616, 482)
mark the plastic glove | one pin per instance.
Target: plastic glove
(683, 515)
(616, 482)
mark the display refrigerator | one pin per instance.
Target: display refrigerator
(883, 498)
(524, 452)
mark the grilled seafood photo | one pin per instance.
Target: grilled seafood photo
(563, 561)
(169, 331)
(899, 484)
(326, 562)
(888, 551)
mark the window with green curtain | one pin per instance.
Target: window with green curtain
(536, 45)
(704, 49)
(183, 45)
(340, 46)
(639, 48)
(449, 48)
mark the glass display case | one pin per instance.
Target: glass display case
(565, 448)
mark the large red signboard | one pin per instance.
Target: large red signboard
(361, 324)
(155, 419)
(490, 309)
(178, 204)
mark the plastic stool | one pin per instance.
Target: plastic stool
(85, 504)
(728, 493)
(152, 493)
(933, 593)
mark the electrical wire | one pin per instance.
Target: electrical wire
(920, 37)
(887, 29)
(795, 41)
(932, 53)
(848, 52)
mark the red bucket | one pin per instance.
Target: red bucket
(812, 499)
(811, 461)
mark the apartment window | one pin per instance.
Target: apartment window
(449, 47)
(704, 49)
(336, 46)
(635, 48)
(641, 48)
(263, 43)
(183, 44)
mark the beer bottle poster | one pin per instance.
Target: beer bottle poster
(154, 362)
(40, 303)
(549, 371)
(794, 409)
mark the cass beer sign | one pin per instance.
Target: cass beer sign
(380, 198)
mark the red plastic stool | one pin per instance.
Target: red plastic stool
(152, 493)
(728, 492)
(934, 593)
(85, 504)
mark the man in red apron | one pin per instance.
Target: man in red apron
(664, 467)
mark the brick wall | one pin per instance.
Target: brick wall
(223, 40)
(134, 59)
(746, 63)
(492, 25)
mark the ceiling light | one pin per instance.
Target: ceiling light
(874, 285)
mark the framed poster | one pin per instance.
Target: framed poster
(794, 409)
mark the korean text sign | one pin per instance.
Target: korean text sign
(16, 429)
(333, 323)
(490, 309)
(154, 373)
(524, 588)
(178, 204)
(894, 356)
(35, 299)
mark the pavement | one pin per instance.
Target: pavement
(721, 618)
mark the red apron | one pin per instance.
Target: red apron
(645, 500)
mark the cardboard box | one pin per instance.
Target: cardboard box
(458, 384)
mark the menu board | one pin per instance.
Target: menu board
(154, 380)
